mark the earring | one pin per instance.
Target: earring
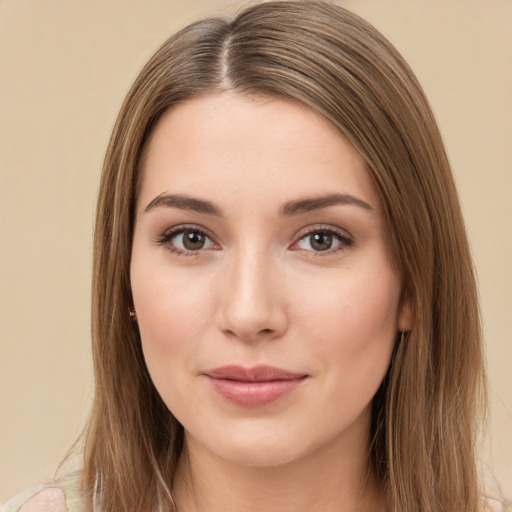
(133, 314)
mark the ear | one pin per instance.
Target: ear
(406, 316)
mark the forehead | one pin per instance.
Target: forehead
(228, 143)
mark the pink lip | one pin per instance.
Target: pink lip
(253, 387)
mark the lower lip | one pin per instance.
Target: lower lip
(254, 394)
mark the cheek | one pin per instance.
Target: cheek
(172, 311)
(351, 301)
(353, 322)
(165, 297)
(167, 313)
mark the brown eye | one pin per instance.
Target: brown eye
(193, 240)
(321, 241)
(186, 240)
(324, 240)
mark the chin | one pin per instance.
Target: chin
(266, 456)
(263, 448)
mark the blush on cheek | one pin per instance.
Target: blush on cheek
(172, 305)
(171, 324)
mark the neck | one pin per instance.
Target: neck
(336, 477)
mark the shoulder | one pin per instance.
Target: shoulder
(37, 499)
(494, 505)
(49, 499)
(63, 495)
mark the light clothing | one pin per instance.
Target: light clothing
(69, 484)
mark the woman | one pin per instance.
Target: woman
(284, 307)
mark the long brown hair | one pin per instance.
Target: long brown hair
(424, 416)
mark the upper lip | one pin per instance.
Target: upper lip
(260, 373)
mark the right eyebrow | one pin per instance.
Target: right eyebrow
(184, 202)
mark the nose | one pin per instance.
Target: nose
(251, 299)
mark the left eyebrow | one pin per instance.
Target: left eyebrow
(316, 203)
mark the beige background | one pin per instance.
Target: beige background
(65, 67)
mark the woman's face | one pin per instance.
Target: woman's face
(266, 300)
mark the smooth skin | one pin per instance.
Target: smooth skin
(260, 239)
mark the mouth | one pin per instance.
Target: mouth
(254, 387)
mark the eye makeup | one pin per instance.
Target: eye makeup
(186, 240)
(192, 240)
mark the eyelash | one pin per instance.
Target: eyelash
(344, 239)
(166, 237)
